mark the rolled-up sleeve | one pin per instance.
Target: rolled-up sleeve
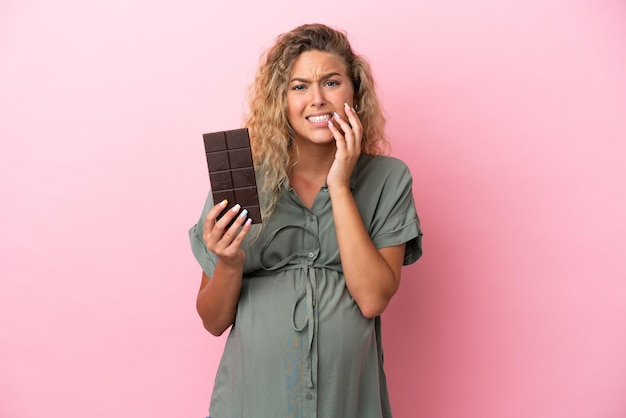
(205, 258)
(398, 221)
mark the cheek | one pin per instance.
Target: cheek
(291, 116)
(349, 95)
(290, 109)
(293, 107)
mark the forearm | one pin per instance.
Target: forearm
(218, 298)
(369, 277)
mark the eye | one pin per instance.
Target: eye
(298, 87)
(332, 83)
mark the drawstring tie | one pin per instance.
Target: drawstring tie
(308, 296)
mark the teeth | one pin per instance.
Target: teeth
(322, 118)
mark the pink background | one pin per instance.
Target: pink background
(511, 115)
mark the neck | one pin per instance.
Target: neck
(312, 160)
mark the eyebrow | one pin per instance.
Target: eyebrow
(324, 77)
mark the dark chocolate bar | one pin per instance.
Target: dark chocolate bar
(231, 170)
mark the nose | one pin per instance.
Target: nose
(317, 96)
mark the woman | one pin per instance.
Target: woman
(304, 290)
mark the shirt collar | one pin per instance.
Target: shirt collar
(353, 177)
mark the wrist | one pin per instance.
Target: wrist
(229, 267)
(339, 190)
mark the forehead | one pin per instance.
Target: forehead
(313, 64)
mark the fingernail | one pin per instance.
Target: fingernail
(236, 208)
(243, 213)
(330, 123)
(337, 115)
(224, 202)
(347, 106)
(249, 221)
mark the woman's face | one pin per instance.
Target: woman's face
(318, 86)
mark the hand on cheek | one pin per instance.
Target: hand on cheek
(347, 129)
(348, 135)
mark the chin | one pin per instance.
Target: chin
(319, 138)
(324, 141)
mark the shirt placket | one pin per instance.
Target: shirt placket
(311, 244)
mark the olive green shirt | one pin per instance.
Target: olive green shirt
(299, 346)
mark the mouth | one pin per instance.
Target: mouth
(319, 118)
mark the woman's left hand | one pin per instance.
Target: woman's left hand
(348, 140)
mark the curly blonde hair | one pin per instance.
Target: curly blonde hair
(270, 132)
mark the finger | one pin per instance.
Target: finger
(215, 235)
(343, 124)
(339, 138)
(214, 213)
(237, 222)
(355, 123)
(244, 231)
(209, 220)
(353, 140)
(236, 233)
(225, 220)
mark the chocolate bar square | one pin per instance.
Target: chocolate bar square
(242, 177)
(231, 170)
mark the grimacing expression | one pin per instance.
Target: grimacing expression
(318, 86)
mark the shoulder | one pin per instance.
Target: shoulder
(367, 160)
(381, 167)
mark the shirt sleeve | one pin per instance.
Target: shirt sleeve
(396, 220)
(206, 258)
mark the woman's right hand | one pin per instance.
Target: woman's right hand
(223, 240)
(219, 295)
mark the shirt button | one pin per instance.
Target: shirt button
(311, 255)
(309, 396)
